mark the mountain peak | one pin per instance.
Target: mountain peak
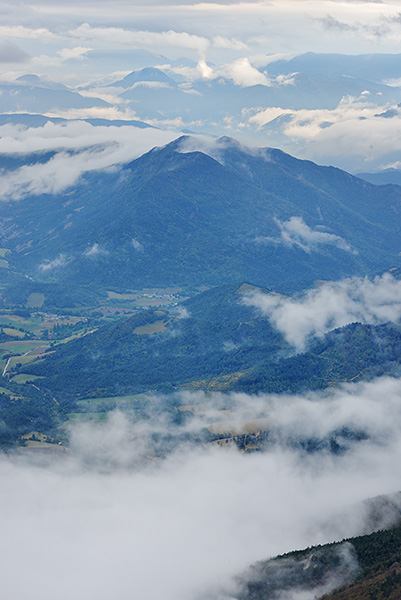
(216, 148)
(29, 78)
(36, 81)
(146, 75)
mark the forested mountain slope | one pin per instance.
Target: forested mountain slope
(181, 216)
(213, 342)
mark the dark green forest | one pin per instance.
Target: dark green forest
(365, 568)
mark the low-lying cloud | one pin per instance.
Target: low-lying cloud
(319, 572)
(331, 305)
(137, 245)
(308, 123)
(116, 517)
(50, 265)
(243, 74)
(240, 72)
(95, 251)
(216, 147)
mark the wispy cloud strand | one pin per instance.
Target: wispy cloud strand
(296, 233)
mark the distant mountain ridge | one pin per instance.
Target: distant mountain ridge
(358, 66)
(176, 93)
(387, 176)
(147, 74)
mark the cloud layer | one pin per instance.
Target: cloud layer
(222, 29)
(80, 147)
(359, 133)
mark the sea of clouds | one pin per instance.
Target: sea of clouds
(120, 514)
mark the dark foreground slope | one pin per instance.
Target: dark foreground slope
(361, 568)
(176, 216)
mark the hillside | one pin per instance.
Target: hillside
(177, 216)
(212, 342)
(211, 335)
(361, 568)
(351, 353)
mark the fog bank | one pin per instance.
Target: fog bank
(114, 518)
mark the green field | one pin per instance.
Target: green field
(116, 296)
(14, 332)
(23, 378)
(22, 360)
(4, 390)
(20, 347)
(146, 298)
(157, 327)
(88, 416)
(33, 325)
(35, 300)
(12, 319)
(19, 351)
(37, 324)
(112, 399)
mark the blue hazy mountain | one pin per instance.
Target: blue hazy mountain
(148, 74)
(383, 177)
(172, 93)
(36, 120)
(32, 80)
(211, 101)
(182, 217)
(31, 94)
(372, 67)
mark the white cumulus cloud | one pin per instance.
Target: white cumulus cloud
(93, 148)
(331, 305)
(242, 73)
